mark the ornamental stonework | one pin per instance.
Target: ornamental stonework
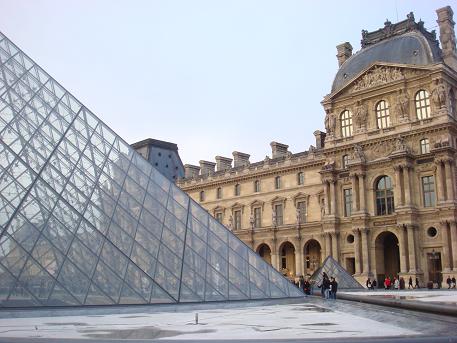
(377, 76)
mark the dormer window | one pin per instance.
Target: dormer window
(237, 189)
(345, 161)
(202, 196)
(382, 114)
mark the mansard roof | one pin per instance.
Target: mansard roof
(406, 42)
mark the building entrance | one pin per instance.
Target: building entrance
(287, 265)
(387, 256)
(312, 256)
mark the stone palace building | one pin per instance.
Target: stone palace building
(378, 191)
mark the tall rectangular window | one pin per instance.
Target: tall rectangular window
(277, 182)
(257, 217)
(219, 217)
(300, 178)
(428, 187)
(279, 214)
(301, 208)
(256, 186)
(219, 193)
(347, 202)
(237, 218)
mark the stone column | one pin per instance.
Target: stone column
(335, 246)
(407, 184)
(274, 254)
(365, 251)
(446, 258)
(412, 248)
(398, 188)
(299, 259)
(453, 228)
(328, 244)
(333, 195)
(439, 181)
(403, 252)
(449, 165)
(358, 260)
(326, 197)
(362, 192)
(355, 192)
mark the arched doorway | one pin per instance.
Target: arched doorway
(265, 252)
(312, 256)
(387, 256)
(287, 262)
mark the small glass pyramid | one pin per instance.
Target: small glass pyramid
(334, 269)
(85, 220)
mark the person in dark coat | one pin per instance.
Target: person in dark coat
(374, 284)
(410, 283)
(307, 287)
(417, 283)
(449, 282)
(453, 282)
(334, 288)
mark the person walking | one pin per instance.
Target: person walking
(374, 284)
(410, 283)
(417, 283)
(453, 282)
(334, 288)
(449, 282)
(368, 283)
(326, 287)
(396, 283)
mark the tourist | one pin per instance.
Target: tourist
(368, 284)
(396, 283)
(449, 282)
(417, 283)
(410, 283)
(387, 283)
(374, 284)
(307, 287)
(453, 282)
(402, 283)
(334, 288)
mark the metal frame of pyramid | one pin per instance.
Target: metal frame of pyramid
(85, 220)
(333, 268)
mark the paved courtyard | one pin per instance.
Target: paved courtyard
(445, 296)
(308, 318)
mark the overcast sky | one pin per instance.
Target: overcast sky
(212, 76)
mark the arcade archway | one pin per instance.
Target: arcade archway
(265, 252)
(387, 256)
(287, 261)
(312, 256)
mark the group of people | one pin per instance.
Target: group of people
(328, 286)
(395, 283)
(451, 282)
(304, 285)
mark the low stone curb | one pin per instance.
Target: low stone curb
(444, 309)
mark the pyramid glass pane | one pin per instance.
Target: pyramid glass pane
(85, 220)
(333, 269)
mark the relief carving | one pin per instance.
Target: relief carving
(376, 77)
(402, 106)
(360, 117)
(439, 94)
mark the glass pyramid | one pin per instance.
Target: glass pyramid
(334, 269)
(85, 220)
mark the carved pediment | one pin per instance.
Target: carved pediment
(218, 209)
(300, 196)
(377, 75)
(278, 199)
(257, 203)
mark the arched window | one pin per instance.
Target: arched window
(219, 193)
(384, 196)
(422, 101)
(256, 186)
(237, 189)
(300, 178)
(346, 123)
(202, 196)
(382, 114)
(277, 182)
(345, 161)
(425, 146)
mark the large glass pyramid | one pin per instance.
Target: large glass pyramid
(333, 269)
(85, 220)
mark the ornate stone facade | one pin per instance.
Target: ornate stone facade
(378, 192)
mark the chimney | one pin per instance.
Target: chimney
(447, 35)
(206, 167)
(344, 51)
(240, 159)
(191, 171)
(320, 138)
(223, 163)
(278, 149)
